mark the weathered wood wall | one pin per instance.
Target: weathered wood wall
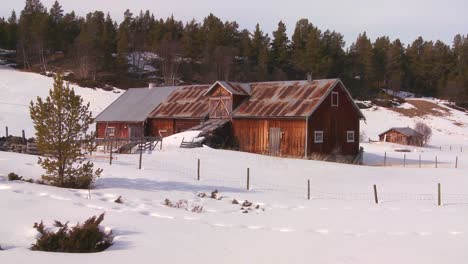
(172, 126)
(121, 128)
(334, 121)
(253, 135)
(399, 138)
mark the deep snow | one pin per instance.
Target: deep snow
(340, 224)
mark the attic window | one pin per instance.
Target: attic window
(110, 131)
(334, 99)
(318, 136)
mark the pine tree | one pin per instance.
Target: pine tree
(61, 122)
(280, 55)
(260, 53)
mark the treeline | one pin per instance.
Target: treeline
(201, 52)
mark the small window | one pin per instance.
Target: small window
(334, 99)
(350, 136)
(110, 131)
(318, 137)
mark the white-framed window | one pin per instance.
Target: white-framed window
(110, 131)
(349, 136)
(334, 98)
(318, 136)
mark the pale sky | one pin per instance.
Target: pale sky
(405, 19)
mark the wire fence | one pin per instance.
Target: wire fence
(269, 177)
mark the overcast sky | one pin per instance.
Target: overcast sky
(405, 19)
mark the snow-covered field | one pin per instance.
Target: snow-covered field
(340, 224)
(18, 89)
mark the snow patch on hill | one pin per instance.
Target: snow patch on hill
(18, 89)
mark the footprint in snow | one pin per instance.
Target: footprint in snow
(144, 212)
(456, 233)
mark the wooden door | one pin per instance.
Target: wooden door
(136, 131)
(275, 141)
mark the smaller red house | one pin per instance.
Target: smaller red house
(402, 135)
(127, 116)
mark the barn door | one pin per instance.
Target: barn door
(136, 131)
(275, 141)
(336, 137)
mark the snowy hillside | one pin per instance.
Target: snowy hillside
(19, 88)
(341, 223)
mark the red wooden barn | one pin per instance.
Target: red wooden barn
(284, 118)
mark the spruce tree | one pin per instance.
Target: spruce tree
(61, 122)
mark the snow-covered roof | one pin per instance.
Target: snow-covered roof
(135, 104)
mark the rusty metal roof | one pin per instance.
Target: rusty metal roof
(285, 98)
(407, 131)
(184, 102)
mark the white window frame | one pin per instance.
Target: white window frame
(337, 98)
(109, 134)
(348, 133)
(320, 138)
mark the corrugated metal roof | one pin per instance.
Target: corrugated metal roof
(285, 98)
(135, 104)
(184, 102)
(407, 131)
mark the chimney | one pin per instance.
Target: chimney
(309, 77)
(151, 85)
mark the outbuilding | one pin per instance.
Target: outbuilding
(402, 135)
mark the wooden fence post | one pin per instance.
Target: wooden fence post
(436, 161)
(439, 196)
(198, 169)
(461, 149)
(419, 160)
(110, 153)
(376, 198)
(248, 179)
(24, 136)
(385, 159)
(141, 153)
(6, 131)
(404, 160)
(456, 162)
(308, 189)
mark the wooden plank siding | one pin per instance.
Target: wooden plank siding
(253, 135)
(171, 125)
(334, 121)
(122, 129)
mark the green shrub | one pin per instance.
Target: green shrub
(82, 238)
(14, 177)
